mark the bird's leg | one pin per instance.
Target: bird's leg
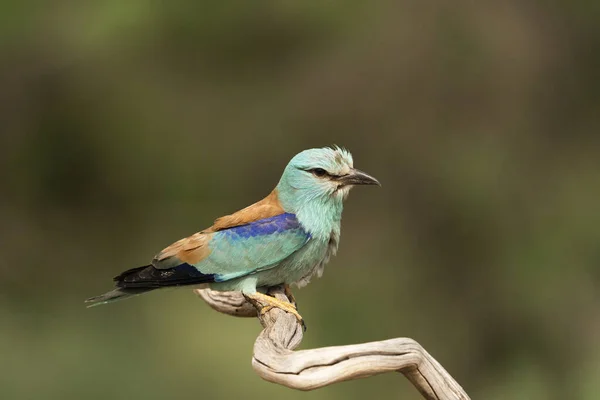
(271, 302)
(288, 292)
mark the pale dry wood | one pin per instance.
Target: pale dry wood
(275, 361)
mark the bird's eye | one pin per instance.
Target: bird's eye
(318, 172)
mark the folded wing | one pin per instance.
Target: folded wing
(252, 240)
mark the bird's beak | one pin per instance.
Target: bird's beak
(357, 177)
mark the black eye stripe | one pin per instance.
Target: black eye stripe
(319, 172)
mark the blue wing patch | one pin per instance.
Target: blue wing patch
(267, 226)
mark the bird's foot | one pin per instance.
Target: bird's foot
(267, 303)
(288, 292)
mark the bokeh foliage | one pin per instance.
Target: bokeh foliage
(127, 125)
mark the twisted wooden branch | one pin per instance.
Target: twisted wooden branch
(275, 361)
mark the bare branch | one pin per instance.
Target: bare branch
(275, 361)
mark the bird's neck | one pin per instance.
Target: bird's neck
(321, 216)
(321, 220)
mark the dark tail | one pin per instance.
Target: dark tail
(115, 295)
(140, 280)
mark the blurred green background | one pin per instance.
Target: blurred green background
(125, 125)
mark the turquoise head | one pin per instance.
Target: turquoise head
(315, 184)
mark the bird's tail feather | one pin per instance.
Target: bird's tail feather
(143, 279)
(116, 295)
(120, 293)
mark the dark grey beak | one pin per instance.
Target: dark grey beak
(356, 177)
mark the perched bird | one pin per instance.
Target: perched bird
(285, 238)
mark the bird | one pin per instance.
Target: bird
(286, 238)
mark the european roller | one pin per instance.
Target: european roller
(285, 238)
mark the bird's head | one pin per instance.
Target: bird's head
(323, 175)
